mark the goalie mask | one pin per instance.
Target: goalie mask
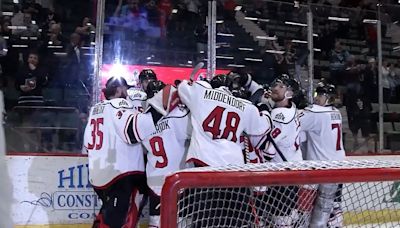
(221, 80)
(324, 94)
(153, 87)
(145, 77)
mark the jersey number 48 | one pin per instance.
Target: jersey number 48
(213, 121)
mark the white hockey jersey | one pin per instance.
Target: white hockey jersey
(5, 182)
(166, 151)
(109, 148)
(285, 134)
(323, 131)
(138, 99)
(218, 119)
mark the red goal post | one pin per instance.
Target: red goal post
(184, 192)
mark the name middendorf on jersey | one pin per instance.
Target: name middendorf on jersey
(225, 98)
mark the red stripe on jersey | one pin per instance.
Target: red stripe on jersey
(117, 178)
(197, 162)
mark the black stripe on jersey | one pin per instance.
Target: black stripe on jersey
(130, 130)
(307, 110)
(176, 117)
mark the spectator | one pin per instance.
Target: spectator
(387, 81)
(192, 7)
(5, 30)
(55, 35)
(180, 18)
(165, 10)
(229, 9)
(86, 31)
(30, 81)
(73, 66)
(3, 53)
(34, 9)
(201, 37)
(352, 76)
(337, 63)
(369, 80)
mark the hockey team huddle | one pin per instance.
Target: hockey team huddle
(138, 136)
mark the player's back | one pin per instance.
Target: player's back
(323, 128)
(109, 153)
(166, 147)
(218, 119)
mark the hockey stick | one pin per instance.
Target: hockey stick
(196, 70)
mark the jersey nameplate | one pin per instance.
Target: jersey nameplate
(120, 103)
(98, 109)
(225, 98)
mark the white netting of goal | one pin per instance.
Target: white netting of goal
(218, 201)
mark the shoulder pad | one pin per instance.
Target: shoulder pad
(283, 115)
(178, 112)
(120, 103)
(135, 94)
(318, 108)
(204, 84)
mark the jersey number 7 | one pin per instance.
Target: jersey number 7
(339, 135)
(213, 121)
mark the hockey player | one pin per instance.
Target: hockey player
(285, 133)
(283, 146)
(166, 150)
(218, 119)
(322, 125)
(138, 96)
(116, 167)
(244, 80)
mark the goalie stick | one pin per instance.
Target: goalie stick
(196, 70)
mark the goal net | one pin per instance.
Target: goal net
(293, 194)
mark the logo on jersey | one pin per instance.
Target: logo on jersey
(123, 103)
(120, 114)
(280, 116)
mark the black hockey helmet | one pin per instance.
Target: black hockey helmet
(153, 87)
(221, 80)
(241, 93)
(147, 74)
(291, 83)
(326, 89)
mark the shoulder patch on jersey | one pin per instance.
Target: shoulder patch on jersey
(284, 115)
(318, 108)
(135, 94)
(120, 103)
